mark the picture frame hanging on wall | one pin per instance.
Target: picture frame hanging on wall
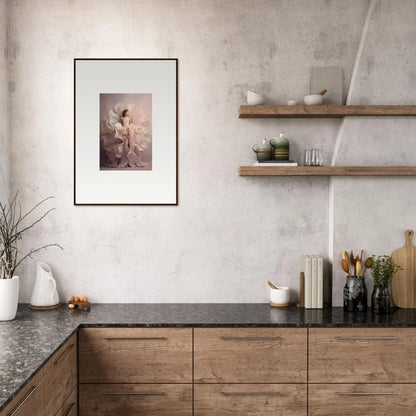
(126, 131)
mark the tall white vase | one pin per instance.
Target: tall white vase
(9, 296)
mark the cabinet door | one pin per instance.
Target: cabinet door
(135, 355)
(29, 401)
(70, 406)
(250, 399)
(362, 355)
(250, 355)
(60, 376)
(135, 399)
(362, 399)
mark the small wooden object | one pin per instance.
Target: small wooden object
(79, 302)
(403, 283)
(45, 308)
(280, 305)
(301, 303)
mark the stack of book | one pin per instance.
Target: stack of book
(312, 268)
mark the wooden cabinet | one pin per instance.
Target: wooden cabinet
(135, 355)
(135, 399)
(48, 392)
(362, 399)
(250, 355)
(362, 355)
(250, 399)
(233, 365)
(60, 376)
(149, 356)
(29, 401)
(70, 405)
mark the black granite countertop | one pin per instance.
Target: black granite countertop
(34, 336)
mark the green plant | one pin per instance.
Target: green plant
(383, 269)
(13, 224)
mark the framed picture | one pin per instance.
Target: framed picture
(126, 131)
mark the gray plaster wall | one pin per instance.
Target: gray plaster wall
(229, 234)
(373, 213)
(4, 138)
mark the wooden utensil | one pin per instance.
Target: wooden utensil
(346, 266)
(403, 283)
(367, 265)
(271, 284)
(323, 92)
(359, 267)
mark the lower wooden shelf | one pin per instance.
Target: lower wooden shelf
(327, 171)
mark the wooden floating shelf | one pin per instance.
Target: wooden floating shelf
(327, 171)
(323, 111)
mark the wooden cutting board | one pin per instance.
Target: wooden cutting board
(404, 281)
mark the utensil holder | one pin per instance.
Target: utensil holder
(355, 294)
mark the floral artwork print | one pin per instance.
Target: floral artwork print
(125, 132)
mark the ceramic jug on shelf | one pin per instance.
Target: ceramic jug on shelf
(263, 150)
(44, 293)
(280, 147)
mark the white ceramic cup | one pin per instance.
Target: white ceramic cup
(292, 102)
(280, 295)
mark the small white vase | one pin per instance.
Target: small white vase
(9, 296)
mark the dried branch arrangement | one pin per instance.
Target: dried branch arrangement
(13, 224)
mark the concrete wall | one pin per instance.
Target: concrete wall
(229, 234)
(4, 139)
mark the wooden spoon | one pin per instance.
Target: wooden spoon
(368, 264)
(359, 267)
(345, 264)
(271, 284)
(323, 92)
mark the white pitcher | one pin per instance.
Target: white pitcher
(44, 292)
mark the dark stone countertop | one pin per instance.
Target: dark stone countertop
(34, 336)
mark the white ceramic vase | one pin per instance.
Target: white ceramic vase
(9, 296)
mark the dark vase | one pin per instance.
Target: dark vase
(380, 300)
(355, 294)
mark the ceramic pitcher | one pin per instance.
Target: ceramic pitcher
(44, 292)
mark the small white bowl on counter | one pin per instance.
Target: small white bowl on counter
(280, 297)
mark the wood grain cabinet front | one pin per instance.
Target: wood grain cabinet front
(362, 399)
(250, 355)
(135, 355)
(135, 399)
(70, 405)
(60, 376)
(29, 401)
(362, 355)
(250, 400)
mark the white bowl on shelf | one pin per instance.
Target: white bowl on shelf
(314, 99)
(254, 98)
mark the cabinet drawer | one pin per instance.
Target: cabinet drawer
(250, 355)
(250, 399)
(70, 406)
(60, 376)
(135, 355)
(362, 399)
(133, 399)
(362, 355)
(29, 401)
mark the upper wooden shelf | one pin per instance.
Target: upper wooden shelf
(327, 171)
(323, 111)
